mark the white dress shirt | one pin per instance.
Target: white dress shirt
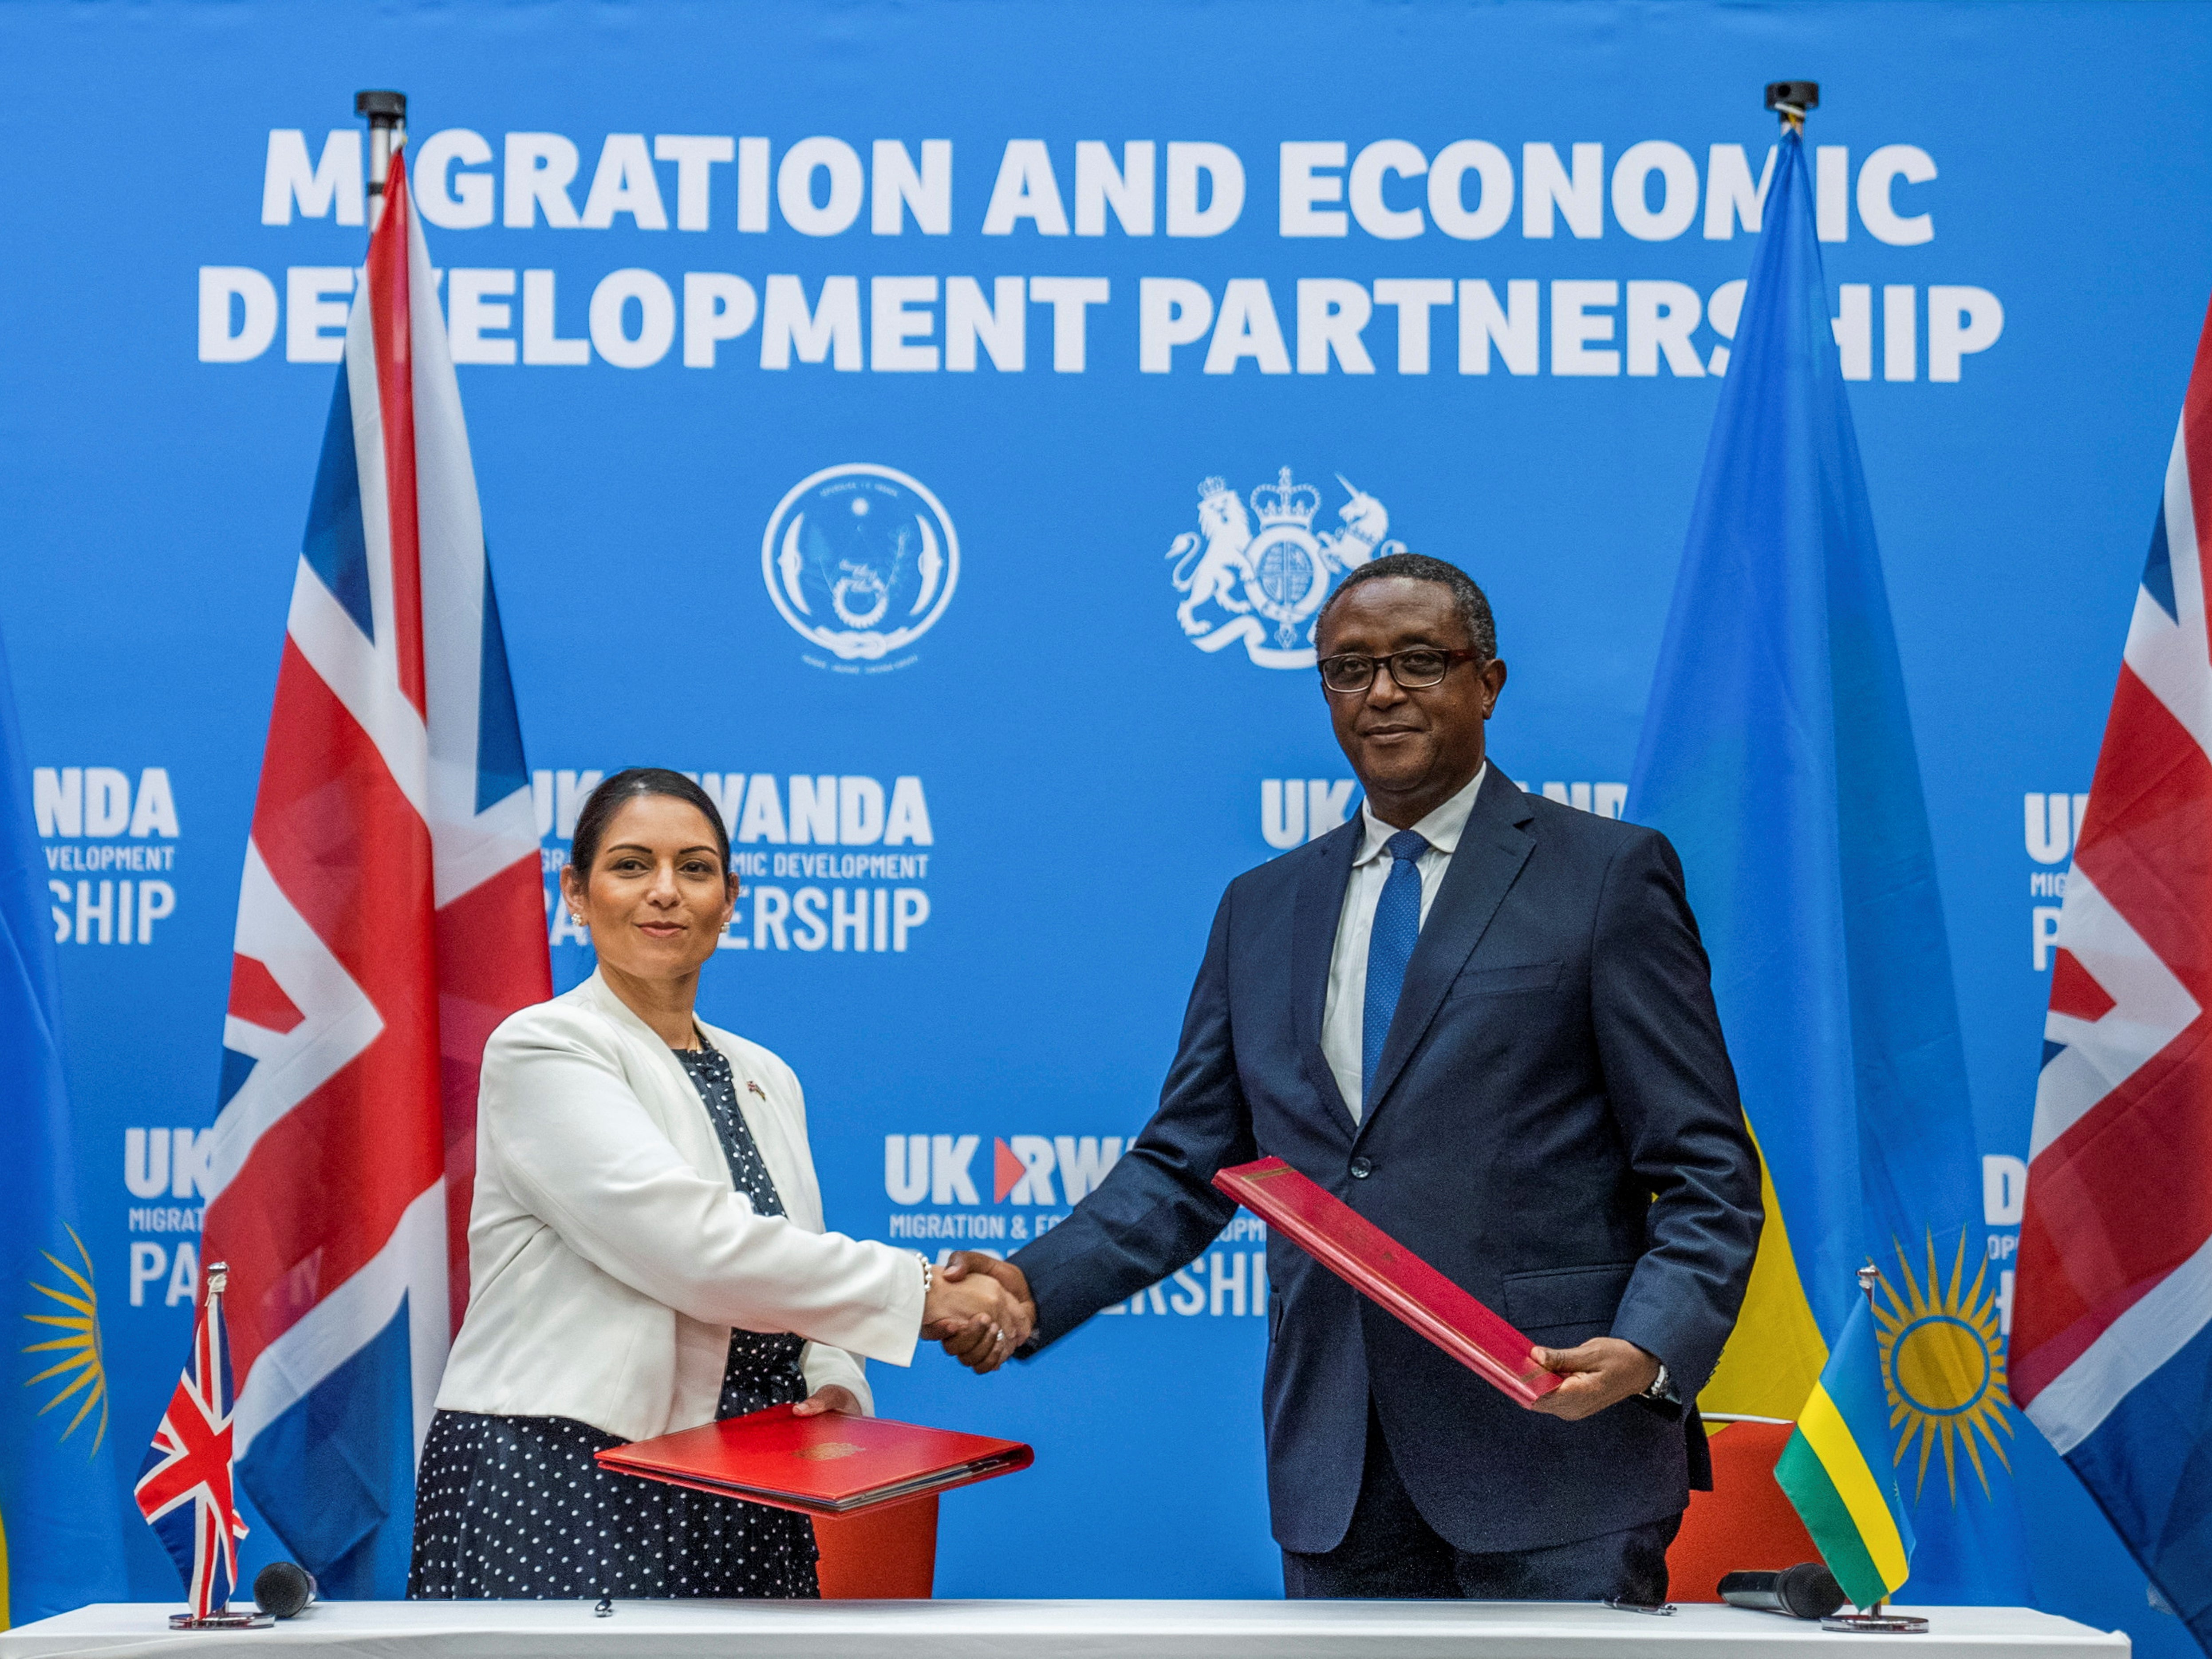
(1343, 1021)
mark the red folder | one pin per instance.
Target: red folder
(831, 1464)
(1379, 1267)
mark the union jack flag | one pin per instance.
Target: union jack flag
(2111, 1334)
(390, 915)
(183, 1488)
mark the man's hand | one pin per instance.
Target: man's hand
(976, 1314)
(831, 1397)
(976, 1347)
(1598, 1373)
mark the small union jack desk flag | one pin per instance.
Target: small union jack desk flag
(185, 1487)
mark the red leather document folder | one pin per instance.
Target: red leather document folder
(832, 1464)
(1379, 1267)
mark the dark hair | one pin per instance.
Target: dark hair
(603, 802)
(1473, 604)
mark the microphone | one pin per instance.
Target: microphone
(284, 1589)
(1808, 1590)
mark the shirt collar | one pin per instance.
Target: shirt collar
(1442, 829)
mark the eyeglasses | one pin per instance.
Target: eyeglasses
(1424, 665)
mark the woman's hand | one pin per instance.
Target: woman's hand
(981, 1311)
(975, 1346)
(829, 1397)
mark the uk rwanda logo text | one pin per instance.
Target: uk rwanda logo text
(1267, 588)
(861, 561)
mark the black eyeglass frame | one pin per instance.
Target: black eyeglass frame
(1390, 661)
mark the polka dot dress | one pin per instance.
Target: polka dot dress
(516, 1507)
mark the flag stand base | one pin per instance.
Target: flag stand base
(1876, 1623)
(221, 1621)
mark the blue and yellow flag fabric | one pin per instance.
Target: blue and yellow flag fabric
(1778, 756)
(59, 1505)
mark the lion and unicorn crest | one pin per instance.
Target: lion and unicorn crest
(1266, 586)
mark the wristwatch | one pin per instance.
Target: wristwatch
(1662, 1386)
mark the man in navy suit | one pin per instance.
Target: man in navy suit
(1484, 1020)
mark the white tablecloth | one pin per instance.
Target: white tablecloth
(1041, 1629)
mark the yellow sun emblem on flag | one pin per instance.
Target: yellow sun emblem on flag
(83, 1368)
(1943, 1367)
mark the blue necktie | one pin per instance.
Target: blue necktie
(1389, 947)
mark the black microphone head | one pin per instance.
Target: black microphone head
(1809, 1590)
(284, 1588)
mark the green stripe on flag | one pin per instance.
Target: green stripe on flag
(1800, 1475)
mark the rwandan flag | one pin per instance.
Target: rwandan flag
(1848, 1498)
(1778, 756)
(59, 1506)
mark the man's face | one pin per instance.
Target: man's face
(1410, 747)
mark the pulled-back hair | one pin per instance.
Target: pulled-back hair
(1473, 604)
(603, 802)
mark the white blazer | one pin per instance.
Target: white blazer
(610, 1255)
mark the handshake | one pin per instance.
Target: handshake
(981, 1309)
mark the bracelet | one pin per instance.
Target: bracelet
(928, 1275)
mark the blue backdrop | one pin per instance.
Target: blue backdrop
(1062, 289)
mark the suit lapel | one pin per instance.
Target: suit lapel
(1319, 903)
(1492, 850)
(662, 1084)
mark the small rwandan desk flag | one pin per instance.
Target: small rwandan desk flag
(1777, 756)
(58, 1510)
(1834, 1472)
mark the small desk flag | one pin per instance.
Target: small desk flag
(185, 1487)
(1847, 1498)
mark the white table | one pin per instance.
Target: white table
(1042, 1629)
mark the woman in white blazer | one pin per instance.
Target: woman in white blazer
(645, 1253)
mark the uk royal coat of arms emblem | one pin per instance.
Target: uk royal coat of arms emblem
(1265, 587)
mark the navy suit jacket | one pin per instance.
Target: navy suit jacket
(1554, 1126)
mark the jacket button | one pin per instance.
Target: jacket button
(1361, 1168)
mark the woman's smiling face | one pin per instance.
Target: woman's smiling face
(657, 896)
